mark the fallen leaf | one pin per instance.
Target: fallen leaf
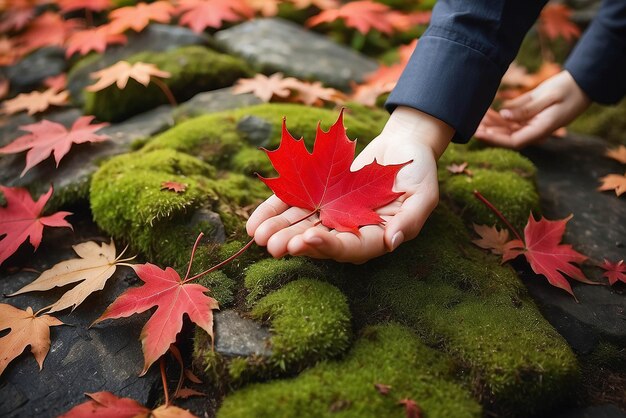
(16, 19)
(9, 52)
(173, 186)
(545, 253)
(367, 94)
(93, 5)
(48, 29)
(411, 408)
(201, 14)
(555, 20)
(491, 238)
(48, 137)
(322, 181)
(382, 389)
(313, 94)
(363, 15)
(26, 329)
(614, 271)
(120, 72)
(35, 102)
(95, 39)
(56, 82)
(173, 298)
(106, 404)
(615, 182)
(21, 219)
(185, 393)
(618, 154)
(96, 265)
(137, 17)
(264, 87)
(192, 377)
(459, 169)
(320, 4)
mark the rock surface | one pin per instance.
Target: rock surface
(214, 101)
(568, 173)
(238, 336)
(255, 130)
(29, 73)
(273, 44)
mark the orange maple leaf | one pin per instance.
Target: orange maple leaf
(320, 4)
(363, 15)
(173, 186)
(613, 182)
(491, 238)
(137, 17)
(94, 39)
(554, 21)
(201, 14)
(93, 5)
(49, 29)
(16, 19)
(314, 93)
(35, 101)
(618, 154)
(120, 72)
(265, 87)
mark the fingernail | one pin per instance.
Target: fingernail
(313, 240)
(506, 114)
(396, 240)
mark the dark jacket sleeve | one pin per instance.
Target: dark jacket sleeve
(598, 62)
(457, 65)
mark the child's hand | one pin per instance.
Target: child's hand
(535, 115)
(408, 135)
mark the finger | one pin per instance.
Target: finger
(271, 207)
(533, 132)
(529, 108)
(273, 225)
(278, 241)
(346, 246)
(517, 101)
(410, 219)
(497, 139)
(298, 247)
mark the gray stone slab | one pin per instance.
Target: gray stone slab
(238, 336)
(273, 44)
(214, 101)
(29, 73)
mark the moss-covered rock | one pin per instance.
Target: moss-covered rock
(386, 354)
(193, 69)
(607, 122)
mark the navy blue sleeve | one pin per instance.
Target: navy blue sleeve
(598, 62)
(457, 65)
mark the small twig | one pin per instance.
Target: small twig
(164, 380)
(193, 253)
(166, 90)
(498, 214)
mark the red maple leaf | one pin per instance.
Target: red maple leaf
(411, 408)
(21, 219)
(93, 5)
(554, 21)
(94, 39)
(138, 16)
(201, 14)
(16, 19)
(363, 16)
(173, 298)
(322, 181)
(49, 29)
(173, 186)
(48, 137)
(545, 253)
(614, 271)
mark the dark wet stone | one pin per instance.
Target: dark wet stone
(106, 357)
(215, 232)
(256, 131)
(601, 411)
(214, 101)
(156, 38)
(29, 73)
(241, 337)
(568, 175)
(273, 44)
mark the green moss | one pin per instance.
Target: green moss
(464, 301)
(607, 122)
(496, 159)
(249, 160)
(193, 69)
(387, 354)
(270, 274)
(221, 287)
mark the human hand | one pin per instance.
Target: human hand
(408, 135)
(535, 115)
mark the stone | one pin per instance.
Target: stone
(568, 173)
(255, 130)
(29, 73)
(208, 217)
(214, 101)
(236, 336)
(599, 411)
(155, 38)
(273, 44)
(81, 359)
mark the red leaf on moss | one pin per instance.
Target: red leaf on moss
(411, 408)
(614, 271)
(322, 180)
(491, 238)
(382, 388)
(173, 186)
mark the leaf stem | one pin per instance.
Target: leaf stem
(193, 253)
(181, 378)
(499, 214)
(166, 90)
(164, 380)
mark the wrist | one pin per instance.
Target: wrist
(420, 127)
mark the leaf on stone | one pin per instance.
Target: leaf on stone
(21, 219)
(555, 21)
(618, 154)
(173, 186)
(48, 29)
(314, 94)
(545, 253)
(322, 181)
(48, 137)
(94, 39)
(615, 271)
(56, 82)
(491, 238)
(363, 15)
(106, 404)
(93, 5)
(411, 408)
(27, 329)
(173, 299)
(201, 14)
(120, 72)
(184, 393)
(265, 87)
(615, 182)
(382, 388)
(96, 265)
(137, 17)
(35, 102)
